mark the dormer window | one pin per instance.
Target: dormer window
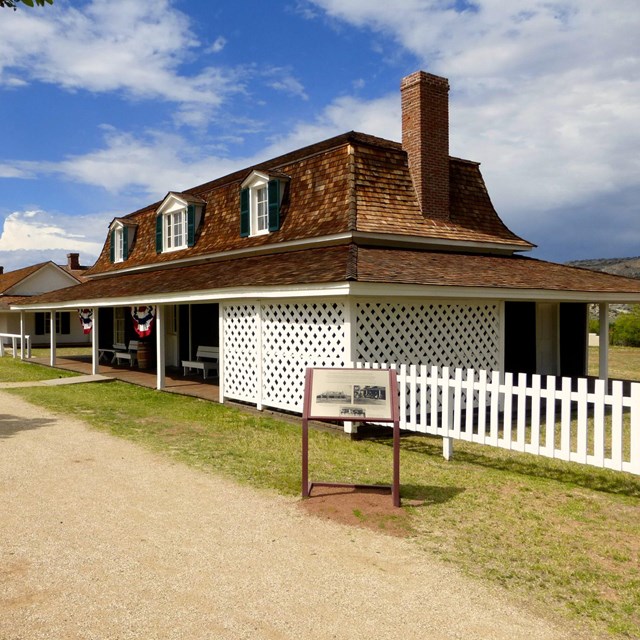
(178, 218)
(260, 199)
(122, 234)
(176, 225)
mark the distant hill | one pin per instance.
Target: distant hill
(628, 267)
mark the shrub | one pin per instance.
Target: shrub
(625, 331)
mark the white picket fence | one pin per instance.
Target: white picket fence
(548, 417)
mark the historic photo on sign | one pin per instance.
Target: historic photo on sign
(351, 394)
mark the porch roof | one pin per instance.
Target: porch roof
(356, 268)
(7, 301)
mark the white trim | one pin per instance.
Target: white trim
(396, 240)
(255, 178)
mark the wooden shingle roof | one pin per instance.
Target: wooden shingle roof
(12, 278)
(350, 264)
(350, 183)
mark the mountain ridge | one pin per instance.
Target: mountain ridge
(628, 267)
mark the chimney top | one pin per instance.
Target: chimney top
(425, 138)
(73, 261)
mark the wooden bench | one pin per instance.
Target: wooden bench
(128, 354)
(206, 360)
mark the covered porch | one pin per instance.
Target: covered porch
(175, 382)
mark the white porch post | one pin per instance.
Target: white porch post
(22, 335)
(603, 350)
(52, 334)
(221, 352)
(259, 381)
(191, 338)
(95, 355)
(160, 352)
(349, 327)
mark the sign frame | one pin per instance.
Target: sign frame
(354, 395)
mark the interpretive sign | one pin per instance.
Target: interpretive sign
(353, 395)
(350, 394)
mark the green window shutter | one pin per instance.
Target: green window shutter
(39, 323)
(245, 215)
(274, 205)
(159, 221)
(191, 225)
(65, 323)
(112, 248)
(125, 243)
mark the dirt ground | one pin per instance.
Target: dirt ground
(369, 508)
(102, 539)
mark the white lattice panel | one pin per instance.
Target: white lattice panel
(296, 336)
(240, 352)
(445, 335)
(454, 335)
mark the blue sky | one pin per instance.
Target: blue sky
(109, 104)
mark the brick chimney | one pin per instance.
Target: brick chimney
(73, 261)
(425, 138)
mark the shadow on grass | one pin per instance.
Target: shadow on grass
(428, 494)
(10, 425)
(588, 477)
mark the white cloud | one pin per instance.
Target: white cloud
(35, 231)
(218, 45)
(117, 45)
(285, 82)
(377, 117)
(545, 94)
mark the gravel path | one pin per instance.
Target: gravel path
(102, 539)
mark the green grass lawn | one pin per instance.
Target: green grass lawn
(624, 362)
(564, 537)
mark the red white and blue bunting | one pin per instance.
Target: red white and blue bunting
(143, 317)
(86, 319)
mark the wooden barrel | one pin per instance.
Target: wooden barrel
(145, 355)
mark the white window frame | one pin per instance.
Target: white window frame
(173, 220)
(260, 210)
(258, 185)
(118, 238)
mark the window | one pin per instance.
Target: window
(119, 246)
(122, 236)
(260, 219)
(176, 225)
(62, 320)
(260, 198)
(118, 325)
(175, 237)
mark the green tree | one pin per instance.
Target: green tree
(13, 4)
(625, 331)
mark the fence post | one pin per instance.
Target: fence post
(634, 425)
(447, 448)
(447, 415)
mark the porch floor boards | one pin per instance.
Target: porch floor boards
(175, 382)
